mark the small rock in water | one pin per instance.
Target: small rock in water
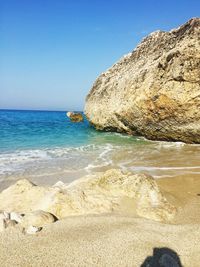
(31, 230)
(75, 117)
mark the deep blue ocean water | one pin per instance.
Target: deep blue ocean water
(40, 129)
(48, 129)
(46, 146)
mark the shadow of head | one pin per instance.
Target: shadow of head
(162, 257)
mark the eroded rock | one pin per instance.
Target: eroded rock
(92, 194)
(153, 91)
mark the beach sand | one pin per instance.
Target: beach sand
(112, 239)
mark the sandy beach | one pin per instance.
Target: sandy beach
(112, 239)
(100, 133)
(100, 241)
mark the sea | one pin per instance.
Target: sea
(46, 147)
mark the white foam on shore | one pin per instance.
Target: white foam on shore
(14, 161)
(149, 168)
(155, 158)
(103, 158)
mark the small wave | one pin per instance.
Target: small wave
(91, 157)
(124, 135)
(164, 168)
(79, 156)
(102, 160)
(165, 144)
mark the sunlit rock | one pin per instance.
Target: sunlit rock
(153, 91)
(112, 191)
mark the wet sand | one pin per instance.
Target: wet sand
(184, 192)
(112, 239)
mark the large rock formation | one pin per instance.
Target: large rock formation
(153, 91)
(112, 191)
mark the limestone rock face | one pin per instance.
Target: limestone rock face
(112, 191)
(75, 117)
(153, 91)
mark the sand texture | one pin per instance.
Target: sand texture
(112, 239)
(99, 241)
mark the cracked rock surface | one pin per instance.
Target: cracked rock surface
(153, 91)
(109, 192)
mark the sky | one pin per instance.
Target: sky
(51, 51)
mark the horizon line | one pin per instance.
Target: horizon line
(49, 110)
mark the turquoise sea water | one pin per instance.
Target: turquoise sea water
(45, 146)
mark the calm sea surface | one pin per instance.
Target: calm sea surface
(44, 146)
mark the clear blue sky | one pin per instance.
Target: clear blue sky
(51, 51)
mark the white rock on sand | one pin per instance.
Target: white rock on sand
(37, 218)
(112, 191)
(31, 230)
(16, 216)
(29, 223)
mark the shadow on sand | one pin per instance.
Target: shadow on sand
(162, 257)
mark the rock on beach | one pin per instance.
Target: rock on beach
(153, 91)
(112, 191)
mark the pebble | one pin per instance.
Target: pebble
(16, 216)
(31, 230)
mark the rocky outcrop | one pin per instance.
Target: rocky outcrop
(153, 91)
(75, 117)
(112, 191)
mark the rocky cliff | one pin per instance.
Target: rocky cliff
(153, 91)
